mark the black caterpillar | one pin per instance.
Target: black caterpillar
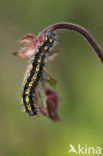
(37, 63)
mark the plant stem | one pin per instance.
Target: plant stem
(82, 31)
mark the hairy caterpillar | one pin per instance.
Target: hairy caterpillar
(37, 63)
(39, 48)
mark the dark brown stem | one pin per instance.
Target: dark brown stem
(80, 30)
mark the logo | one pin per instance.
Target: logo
(84, 149)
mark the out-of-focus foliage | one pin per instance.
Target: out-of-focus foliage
(77, 69)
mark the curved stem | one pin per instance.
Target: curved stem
(80, 30)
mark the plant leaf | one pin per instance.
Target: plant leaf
(52, 82)
(41, 96)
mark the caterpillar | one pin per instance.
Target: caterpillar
(41, 52)
(39, 48)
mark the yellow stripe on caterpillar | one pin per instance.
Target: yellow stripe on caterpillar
(37, 68)
(37, 50)
(42, 43)
(50, 40)
(46, 48)
(29, 107)
(27, 91)
(27, 99)
(39, 60)
(30, 84)
(34, 77)
(46, 38)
